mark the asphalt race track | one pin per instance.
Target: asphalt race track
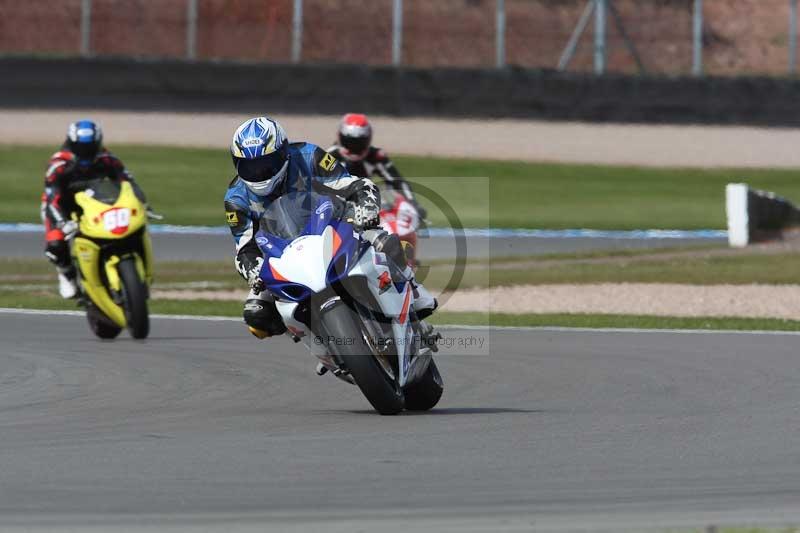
(202, 427)
(192, 247)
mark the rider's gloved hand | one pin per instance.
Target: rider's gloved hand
(254, 277)
(363, 216)
(152, 215)
(69, 229)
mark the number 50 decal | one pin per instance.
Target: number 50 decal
(117, 220)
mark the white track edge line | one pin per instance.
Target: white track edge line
(544, 329)
(44, 312)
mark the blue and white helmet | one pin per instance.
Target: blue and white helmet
(84, 139)
(260, 154)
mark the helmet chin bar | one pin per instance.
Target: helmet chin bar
(264, 188)
(350, 156)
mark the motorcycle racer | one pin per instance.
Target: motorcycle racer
(82, 157)
(268, 166)
(354, 147)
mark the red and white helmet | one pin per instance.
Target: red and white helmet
(355, 136)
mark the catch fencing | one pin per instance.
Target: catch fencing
(667, 37)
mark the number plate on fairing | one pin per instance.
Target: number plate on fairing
(117, 220)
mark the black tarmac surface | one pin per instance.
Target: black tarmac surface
(203, 427)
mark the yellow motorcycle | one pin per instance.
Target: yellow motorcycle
(114, 256)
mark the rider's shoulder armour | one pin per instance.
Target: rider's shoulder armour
(60, 162)
(325, 164)
(62, 155)
(237, 194)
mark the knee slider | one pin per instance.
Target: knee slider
(263, 319)
(392, 247)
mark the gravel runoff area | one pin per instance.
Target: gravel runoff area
(641, 145)
(648, 299)
(651, 299)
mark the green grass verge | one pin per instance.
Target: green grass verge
(713, 270)
(234, 309)
(220, 274)
(51, 301)
(188, 184)
(700, 269)
(615, 321)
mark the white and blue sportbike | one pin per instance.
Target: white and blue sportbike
(348, 303)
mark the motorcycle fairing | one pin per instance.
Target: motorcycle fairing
(328, 251)
(88, 258)
(334, 244)
(111, 221)
(400, 218)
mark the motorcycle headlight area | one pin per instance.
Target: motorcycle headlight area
(294, 291)
(297, 293)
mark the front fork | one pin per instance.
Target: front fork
(87, 255)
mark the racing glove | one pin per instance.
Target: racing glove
(70, 229)
(363, 217)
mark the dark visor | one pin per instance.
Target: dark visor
(355, 145)
(262, 168)
(85, 151)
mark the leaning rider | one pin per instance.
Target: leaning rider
(268, 166)
(82, 157)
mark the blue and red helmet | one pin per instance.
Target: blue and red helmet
(84, 139)
(260, 153)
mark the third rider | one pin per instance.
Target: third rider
(354, 147)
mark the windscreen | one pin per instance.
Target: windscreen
(102, 189)
(298, 213)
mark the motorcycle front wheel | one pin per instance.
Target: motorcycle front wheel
(134, 299)
(345, 339)
(100, 324)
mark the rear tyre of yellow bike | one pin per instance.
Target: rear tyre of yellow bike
(134, 298)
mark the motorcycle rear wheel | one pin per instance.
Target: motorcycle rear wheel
(345, 339)
(135, 299)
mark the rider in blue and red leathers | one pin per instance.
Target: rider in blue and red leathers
(268, 166)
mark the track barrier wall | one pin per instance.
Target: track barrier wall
(175, 85)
